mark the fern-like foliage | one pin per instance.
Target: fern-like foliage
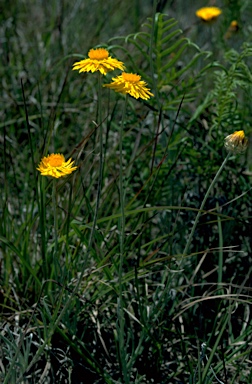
(228, 100)
(165, 59)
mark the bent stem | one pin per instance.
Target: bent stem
(202, 206)
(122, 230)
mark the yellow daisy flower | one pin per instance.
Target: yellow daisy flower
(236, 143)
(208, 13)
(55, 165)
(99, 60)
(132, 84)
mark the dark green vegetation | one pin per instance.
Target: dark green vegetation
(74, 309)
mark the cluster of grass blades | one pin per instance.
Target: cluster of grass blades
(74, 296)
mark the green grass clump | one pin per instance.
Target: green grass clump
(130, 269)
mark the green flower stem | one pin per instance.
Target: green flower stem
(55, 269)
(121, 189)
(99, 114)
(42, 211)
(122, 232)
(203, 204)
(220, 264)
(55, 217)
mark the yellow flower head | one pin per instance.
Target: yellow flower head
(55, 165)
(236, 143)
(132, 84)
(233, 28)
(208, 13)
(99, 60)
(234, 25)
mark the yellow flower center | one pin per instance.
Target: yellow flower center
(131, 77)
(55, 160)
(98, 54)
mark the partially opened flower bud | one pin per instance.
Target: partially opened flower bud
(233, 28)
(236, 142)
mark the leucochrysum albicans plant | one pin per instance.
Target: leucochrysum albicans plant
(126, 84)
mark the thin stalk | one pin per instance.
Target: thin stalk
(55, 217)
(99, 114)
(122, 232)
(4, 222)
(56, 270)
(154, 82)
(220, 264)
(218, 332)
(203, 204)
(42, 223)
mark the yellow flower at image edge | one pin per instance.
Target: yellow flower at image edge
(99, 60)
(236, 142)
(55, 165)
(132, 84)
(208, 13)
